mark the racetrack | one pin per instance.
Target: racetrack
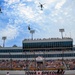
(67, 72)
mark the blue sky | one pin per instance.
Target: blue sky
(19, 14)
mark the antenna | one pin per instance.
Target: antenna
(61, 30)
(70, 34)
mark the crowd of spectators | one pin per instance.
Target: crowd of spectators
(13, 64)
(70, 63)
(28, 64)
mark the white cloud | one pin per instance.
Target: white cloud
(10, 32)
(24, 12)
(60, 4)
(29, 0)
(28, 12)
(11, 1)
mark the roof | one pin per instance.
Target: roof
(3, 48)
(47, 40)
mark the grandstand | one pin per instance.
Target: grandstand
(39, 54)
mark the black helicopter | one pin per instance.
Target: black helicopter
(41, 6)
(0, 10)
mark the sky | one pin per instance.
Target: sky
(17, 15)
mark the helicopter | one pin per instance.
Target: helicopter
(41, 6)
(0, 10)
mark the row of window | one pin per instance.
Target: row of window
(42, 55)
(8, 51)
(47, 44)
(36, 50)
(47, 50)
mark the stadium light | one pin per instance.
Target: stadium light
(61, 30)
(4, 38)
(32, 32)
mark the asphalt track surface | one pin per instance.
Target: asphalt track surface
(67, 72)
(24, 74)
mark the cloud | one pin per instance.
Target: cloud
(21, 13)
(60, 4)
(9, 2)
(9, 31)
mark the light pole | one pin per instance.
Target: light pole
(4, 38)
(32, 32)
(61, 30)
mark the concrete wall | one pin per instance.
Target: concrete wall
(23, 72)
